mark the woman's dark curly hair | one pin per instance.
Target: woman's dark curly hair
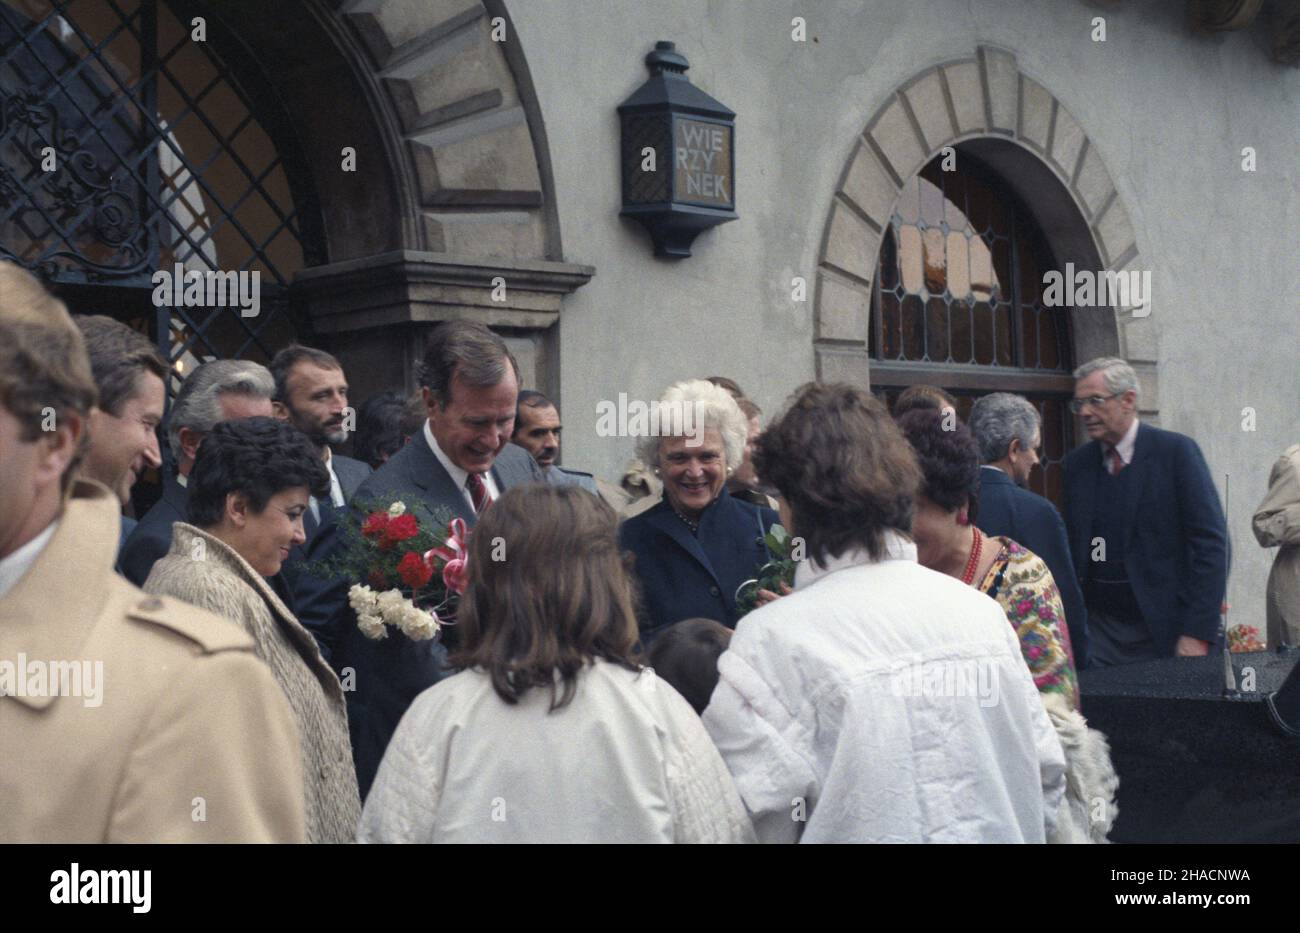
(256, 456)
(841, 463)
(949, 458)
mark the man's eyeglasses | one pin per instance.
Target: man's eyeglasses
(1094, 401)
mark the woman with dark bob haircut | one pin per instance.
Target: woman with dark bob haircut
(551, 731)
(889, 702)
(948, 540)
(248, 490)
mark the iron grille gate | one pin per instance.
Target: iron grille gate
(128, 147)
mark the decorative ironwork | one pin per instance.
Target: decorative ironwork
(160, 153)
(79, 192)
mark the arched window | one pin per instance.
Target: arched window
(957, 303)
(130, 145)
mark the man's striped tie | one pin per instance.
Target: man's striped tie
(478, 492)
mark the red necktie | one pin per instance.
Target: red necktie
(1116, 461)
(478, 492)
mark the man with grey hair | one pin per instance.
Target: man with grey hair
(1009, 431)
(458, 463)
(220, 390)
(1147, 532)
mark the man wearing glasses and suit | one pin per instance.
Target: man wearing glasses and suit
(1147, 532)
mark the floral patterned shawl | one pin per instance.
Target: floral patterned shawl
(1024, 588)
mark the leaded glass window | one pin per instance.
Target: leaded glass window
(957, 303)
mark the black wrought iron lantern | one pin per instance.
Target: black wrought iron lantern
(679, 161)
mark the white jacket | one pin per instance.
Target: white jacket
(884, 702)
(627, 760)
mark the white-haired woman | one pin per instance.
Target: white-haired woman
(697, 545)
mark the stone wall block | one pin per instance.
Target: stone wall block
(842, 309)
(892, 131)
(925, 96)
(851, 244)
(1003, 85)
(869, 186)
(967, 95)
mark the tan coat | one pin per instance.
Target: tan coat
(1277, 522)
(205, 571)
(192, 741)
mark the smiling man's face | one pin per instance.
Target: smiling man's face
(476, 423)
(123, 445)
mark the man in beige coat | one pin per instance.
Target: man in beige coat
(1277, 522)
(123, 717)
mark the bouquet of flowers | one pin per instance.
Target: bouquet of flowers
(778, 570)
(414, 570)
(1244, 638)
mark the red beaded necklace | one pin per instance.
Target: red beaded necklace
(968, 575)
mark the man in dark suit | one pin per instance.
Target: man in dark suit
(1146, 528)
(1009, 431)
(311, 393)
(220, 390)
(456, 464)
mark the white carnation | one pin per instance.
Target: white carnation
(372, 626)
(396, 509)
(391, 604)
(361, 599)
(419, 625)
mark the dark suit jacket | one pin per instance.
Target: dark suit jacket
(152, 537)
(1175, 538)
(387, 675)
(351, 473)
(1032, 521)
(315, 600)
(686, 576)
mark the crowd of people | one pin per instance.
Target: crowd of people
(916, 681)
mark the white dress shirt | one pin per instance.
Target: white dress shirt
(458, 475)
(336, 488)
(1126, 444)
(885, 702)
(20, 561)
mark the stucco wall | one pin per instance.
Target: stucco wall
(1169, 113)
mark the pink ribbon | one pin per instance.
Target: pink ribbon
(454, 547)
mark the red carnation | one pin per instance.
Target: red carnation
(375, 525)
(377, 579)
(400, 528)
(413, 570)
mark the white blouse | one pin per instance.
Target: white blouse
(884, 702)
(627, 760)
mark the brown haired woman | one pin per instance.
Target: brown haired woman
(551, 732)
